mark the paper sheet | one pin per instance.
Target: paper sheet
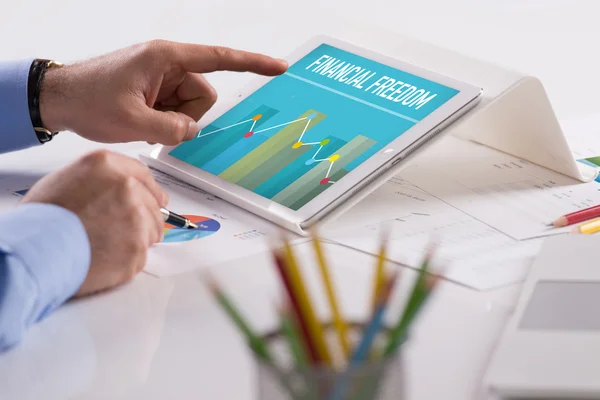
(230, 233)
(470, 252)
(509, 194)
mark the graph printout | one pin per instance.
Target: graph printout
(305, 130)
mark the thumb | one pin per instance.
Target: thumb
(168, 127)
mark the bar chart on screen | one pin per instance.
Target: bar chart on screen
(285, 166)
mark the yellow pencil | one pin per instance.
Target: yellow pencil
(313, 324)
(589, 227)
(338, 321)
(379, 279)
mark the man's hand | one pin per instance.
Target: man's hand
(118, 202)
(150, 92)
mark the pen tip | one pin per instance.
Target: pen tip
(192, 226)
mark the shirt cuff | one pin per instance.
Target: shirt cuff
(53, 246)
(16, 129)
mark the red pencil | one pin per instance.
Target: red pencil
(577, 216)
(280, 263)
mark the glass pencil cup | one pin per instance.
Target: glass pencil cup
(376, 379)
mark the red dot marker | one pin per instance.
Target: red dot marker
(325, 181)
(248, 134)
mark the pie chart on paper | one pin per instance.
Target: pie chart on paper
(206, 227)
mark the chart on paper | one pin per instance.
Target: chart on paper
(221, 228)
(206, 227)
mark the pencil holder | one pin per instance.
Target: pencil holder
(379, 379)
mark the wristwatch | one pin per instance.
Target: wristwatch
(37, 71)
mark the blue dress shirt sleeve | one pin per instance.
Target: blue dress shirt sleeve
(44, 249)
(16, 130)
(44, 259)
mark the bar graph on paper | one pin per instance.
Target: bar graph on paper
(276, 161)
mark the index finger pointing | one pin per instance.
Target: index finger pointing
(200, 59)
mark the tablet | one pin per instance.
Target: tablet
(292, 148)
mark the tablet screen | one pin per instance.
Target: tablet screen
(305, 130)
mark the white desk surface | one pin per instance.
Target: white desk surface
(165, 338)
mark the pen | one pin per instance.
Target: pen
(177, 220)
(577, 216)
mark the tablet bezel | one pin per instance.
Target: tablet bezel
(241, 196)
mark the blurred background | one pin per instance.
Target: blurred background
(545, 38)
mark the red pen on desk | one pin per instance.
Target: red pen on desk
(577, 216)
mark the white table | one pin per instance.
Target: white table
(165, 338)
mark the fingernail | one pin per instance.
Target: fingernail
(284, 62)
(165, 198)
(192, 129)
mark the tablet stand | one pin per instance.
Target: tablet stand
(514, 116)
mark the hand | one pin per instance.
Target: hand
(118, 201)
(151, 92)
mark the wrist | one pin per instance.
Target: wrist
(53, 99)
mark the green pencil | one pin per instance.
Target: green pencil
(255, 342)
(420, 291)
(288, 327)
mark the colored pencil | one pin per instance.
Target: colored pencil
(288, 327)
(370, 333)
(340, 325)
(256, 342)
(379, 277)
(588, 228)
(577, 217)
(308, 313)
(362, 349)
(419, 293)
(305, 332)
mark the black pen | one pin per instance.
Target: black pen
(177, 220)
